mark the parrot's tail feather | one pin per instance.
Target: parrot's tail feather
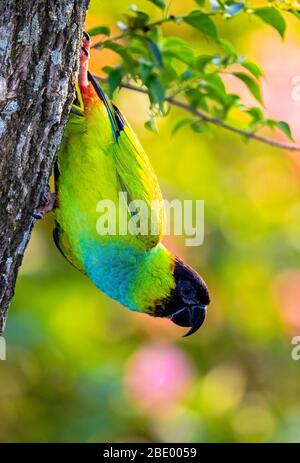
(108, 106)
(119, 118)
(99, 90)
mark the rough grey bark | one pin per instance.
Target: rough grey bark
(39, 45)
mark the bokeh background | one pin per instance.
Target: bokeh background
(80, 368)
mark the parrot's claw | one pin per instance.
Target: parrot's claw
(86, 37)
(85, 51)
(84, 60)
(86, 44)
(47, 204)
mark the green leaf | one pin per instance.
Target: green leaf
(194, 97)
(252, 85)
(203, 23)
(160, 3)
(140, 20)
(202, 61)
(228, 48)
(155, 52)
(156, 91)
(107, 69)
(150, 125)
(273, 17)
(145, 68)
(271, 123)
(295, 13)
(117, 48)
(256, 114)
(179, 49)
(253, 68)
(99, 30)
(199, 126)
(180, 123)
(213, 88)
(216, 81)
(200, 2)
(114, 80)
(168, 75)
(285, 128)
(234, 8)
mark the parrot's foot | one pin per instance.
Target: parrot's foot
(86, 41)
(47, 204)
(84, 61)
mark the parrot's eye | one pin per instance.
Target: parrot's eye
(187, 291)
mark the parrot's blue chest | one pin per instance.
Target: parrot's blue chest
(113, 268)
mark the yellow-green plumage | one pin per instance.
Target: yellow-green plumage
(100, 157)
(93, 166)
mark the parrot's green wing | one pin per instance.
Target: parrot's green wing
(101, 159)
(138, 180)
(135, 177)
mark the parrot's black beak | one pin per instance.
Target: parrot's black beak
(192, 316)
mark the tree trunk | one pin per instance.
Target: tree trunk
(39, 46)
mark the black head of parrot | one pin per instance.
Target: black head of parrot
(186, 305)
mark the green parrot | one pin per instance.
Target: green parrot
(100, 157)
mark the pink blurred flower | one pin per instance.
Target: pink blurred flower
(156, 377)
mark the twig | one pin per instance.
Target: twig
(145, 28)
(215, 120)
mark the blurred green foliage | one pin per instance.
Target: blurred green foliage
(172, 67)
(81, 368)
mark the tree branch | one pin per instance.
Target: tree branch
(215, 120)
(145, 28)
(39, 46)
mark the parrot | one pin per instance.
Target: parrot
(100, 157)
